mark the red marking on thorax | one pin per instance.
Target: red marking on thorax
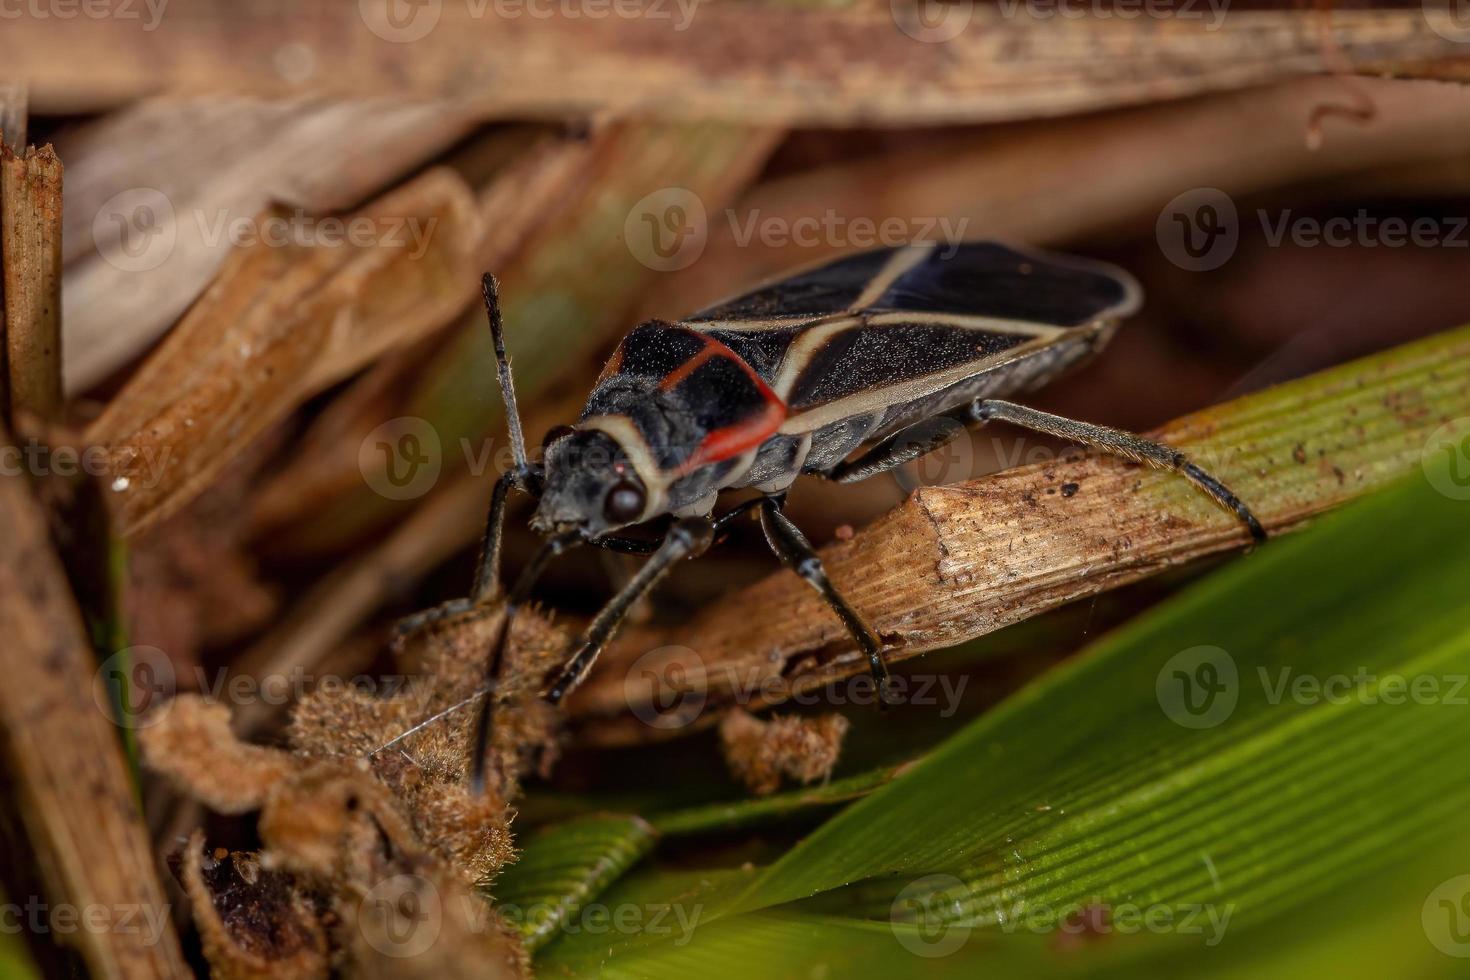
(743, 436)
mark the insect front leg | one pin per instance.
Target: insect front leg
(687, 537)
(1119, 443)
(797, 553)
(487, 572)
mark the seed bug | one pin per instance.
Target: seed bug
(795, 378)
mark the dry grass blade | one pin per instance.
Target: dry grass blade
(279, 324)
(957, 562)
(30, 247)
(153, 191)
(514, 202)
(63, 760)
(752, 61)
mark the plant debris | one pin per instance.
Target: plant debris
(253, 922)
(760, 753)
(369, 804)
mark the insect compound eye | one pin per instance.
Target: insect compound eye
(624, 502)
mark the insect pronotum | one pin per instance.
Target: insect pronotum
(796, 377)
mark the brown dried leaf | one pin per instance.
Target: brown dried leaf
(277, 325)
(153, 184)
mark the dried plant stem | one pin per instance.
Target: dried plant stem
(30, 246)
(956, 562)
(854, 62)
(62, 756)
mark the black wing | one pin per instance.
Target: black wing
(979, 278)
(896, 324)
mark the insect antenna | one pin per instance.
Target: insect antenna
(518, 595)
(490, 288)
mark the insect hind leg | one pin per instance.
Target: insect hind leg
(797, 553)
(1118, 443)
(901, 447)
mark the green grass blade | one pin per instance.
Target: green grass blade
(564, 867)
(1100, 781)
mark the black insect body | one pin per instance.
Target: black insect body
(795, 378)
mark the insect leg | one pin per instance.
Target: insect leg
(1119, 443)
(904, 445)
(513, 602)
(797, 553)
(688, 536)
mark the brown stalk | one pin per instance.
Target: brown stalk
(67, 774)
(864, 62)
(953, 563)
(30, 247)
